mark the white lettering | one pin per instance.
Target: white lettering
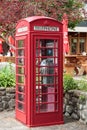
(46, 28)
(22, 29)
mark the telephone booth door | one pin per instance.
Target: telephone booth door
(21, 78)
(47, 81)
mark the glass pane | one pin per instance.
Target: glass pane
(73, 46)
(47, 79)
(21, 88)
(21, 79)
(20, 70)
(82, 45)
(20, 106)
(20, 61)
(20, 52)
(20, 43)
(20, 97)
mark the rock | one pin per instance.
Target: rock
(83, 115)
(2, 88)
(5, 98)
(1, 109)
(75, 116)
(1, 105)
(12, 96)
(11, 103)
(10, 90)
(0, 99)
(80, 107)
(2, 93)
(67, 114)
(69, 109)
(5, 104)
(74, 99)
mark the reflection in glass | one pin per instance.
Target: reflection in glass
(47, 107)
(20, 106)
(21, 79)
(74, 46)
(20, 43)
(82, 45)
(47, 79)
(20, 70)
(21, 88)
(20, 61)
(20, 97)
(20, 52)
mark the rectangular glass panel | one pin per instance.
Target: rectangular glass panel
(21, 52)
(21, 70)
(20, 61)
(20, 88)
(73, 46)
(21, 79)
(82, 45)
(20, 106)
(20, 43)
(21, 97)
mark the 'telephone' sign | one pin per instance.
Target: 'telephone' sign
(46, 28)
(22, 29)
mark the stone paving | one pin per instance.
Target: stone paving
(8, 122)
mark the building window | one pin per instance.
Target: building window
(78, 45)
(73, 46)
(82, 45)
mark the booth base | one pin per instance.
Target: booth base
(48, 124)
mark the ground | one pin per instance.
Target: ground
(8, 122)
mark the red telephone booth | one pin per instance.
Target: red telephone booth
(39, 71)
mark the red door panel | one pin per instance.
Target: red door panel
(47, 106)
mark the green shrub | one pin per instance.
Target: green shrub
(68, 82)
(7, 77)
(82, 85)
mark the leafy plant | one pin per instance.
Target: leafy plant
(82, 97)
(69, 83)
(82, 85)
(7, 77)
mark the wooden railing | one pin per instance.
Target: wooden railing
(76, 64)
(7, 59)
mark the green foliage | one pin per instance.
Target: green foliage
(82, 85)
(69, 83)
(7, 77)
(82, 97)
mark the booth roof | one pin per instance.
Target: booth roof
(33, 18)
